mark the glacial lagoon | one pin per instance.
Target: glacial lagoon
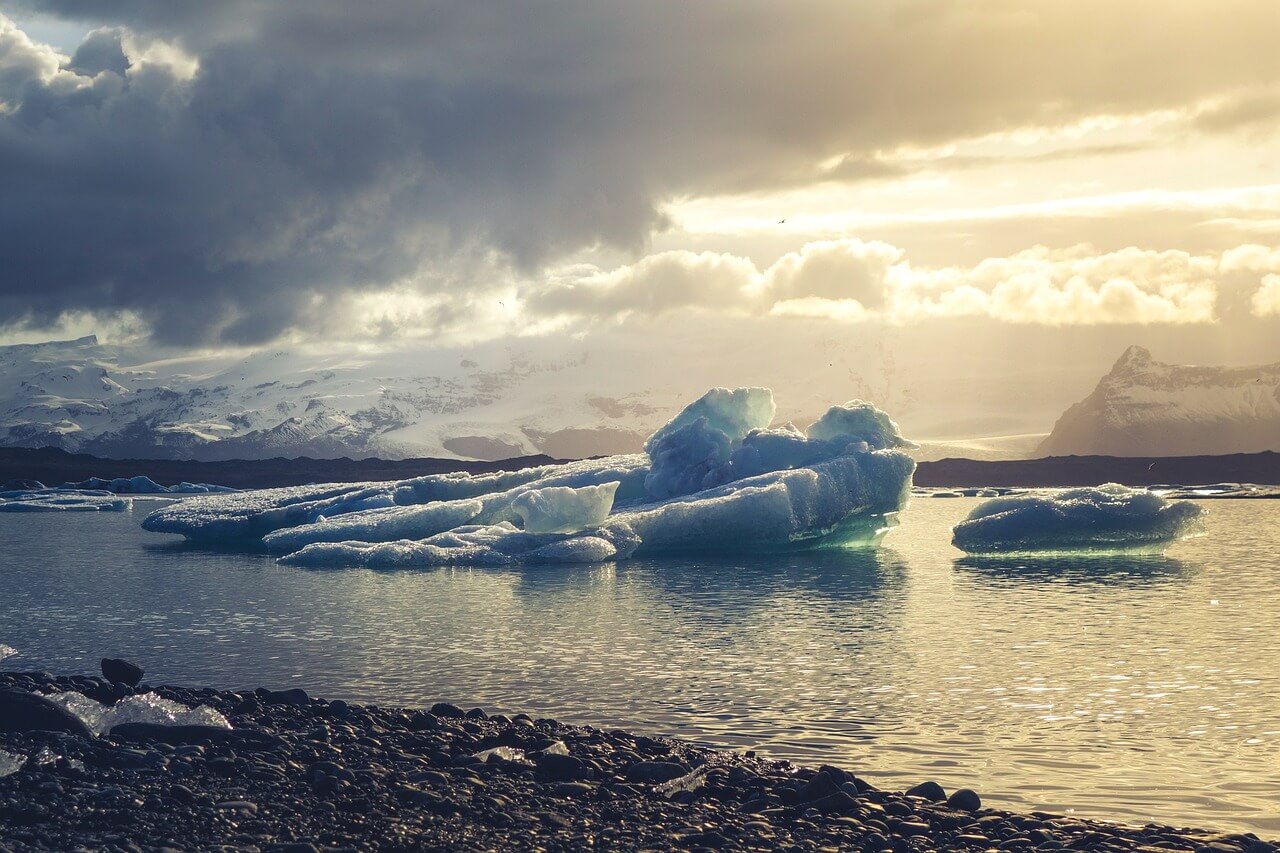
(1128, 688)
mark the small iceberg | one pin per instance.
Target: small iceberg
(716, 478)
(1109, 518)
(62, 500)
(142, 485)
(140, 708)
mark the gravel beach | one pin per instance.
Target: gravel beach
(298, 773)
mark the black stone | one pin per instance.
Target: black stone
(180, 735)
(295, 697)
(120, 671)
(929, 791)
(821, 785)
(965, 800)
(562, 768)
(21, 711)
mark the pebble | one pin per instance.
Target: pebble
(298, 774)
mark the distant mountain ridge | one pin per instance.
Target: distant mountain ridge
(83, 396)
(1145, 407)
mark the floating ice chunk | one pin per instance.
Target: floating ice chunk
(841, 501)
(185, 488)
(713, 479)
(692, 451)
(438, 516)
(139, 485)
(561, 509)
(702, 454)
(142, 485)
(689, 459)
(492, 545)
(862, 422)
(7, 651)
(10, 763)
(249, 516)
(62, 500)
(1106, 518)
(141, 708)
(734, 413)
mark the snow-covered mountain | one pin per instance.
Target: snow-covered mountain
(84, 396)
(487, 402)
(1144, 407)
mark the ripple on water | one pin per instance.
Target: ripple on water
(1138, 688)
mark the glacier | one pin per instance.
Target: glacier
(1107, 518)
(715, 478)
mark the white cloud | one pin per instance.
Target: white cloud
(1266, 301)
(833, 270)
(851, 280)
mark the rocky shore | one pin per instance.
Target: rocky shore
(296, 773)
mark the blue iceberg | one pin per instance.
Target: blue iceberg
(1108, 518)
(715, 478)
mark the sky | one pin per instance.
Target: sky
(921, 201)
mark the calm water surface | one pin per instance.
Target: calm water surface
(1129, 689)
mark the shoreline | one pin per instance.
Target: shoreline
(298, 773)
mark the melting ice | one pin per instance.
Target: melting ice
(715, 478)
(1106, 518)
(141, 708)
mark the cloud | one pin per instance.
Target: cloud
(1266, 301)
(1248, 111)
(102, 50)
(853, 280)
(233, 162)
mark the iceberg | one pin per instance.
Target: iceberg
(385, 511)
(716, 478)
(424, 507)
(142, 485)
(62, 500)
(140, 708)
(1108, 518)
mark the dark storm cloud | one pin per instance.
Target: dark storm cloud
(327, 147)
(101, 50)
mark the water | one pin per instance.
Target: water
(1130, 689)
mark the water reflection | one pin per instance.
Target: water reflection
(1125, 687)
(1077, 569)
(814, 579)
